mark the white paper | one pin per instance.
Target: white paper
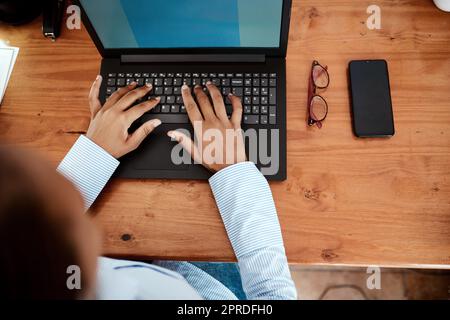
(8, 56)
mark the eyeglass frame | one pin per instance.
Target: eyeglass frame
(312, 89)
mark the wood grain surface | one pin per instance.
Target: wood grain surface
(346, 200)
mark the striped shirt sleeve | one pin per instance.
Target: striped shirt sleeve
(248, 211)
(88, 167)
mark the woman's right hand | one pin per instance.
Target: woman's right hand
(211, 125)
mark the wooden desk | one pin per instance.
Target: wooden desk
(346, 201)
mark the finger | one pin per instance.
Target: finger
(131, 97)
(136, 138)
(118, 94)
(219, 105)
(137, 111)
(236, 116)
(187, 144)
(94, 102)
(203, 101)
(191, 107)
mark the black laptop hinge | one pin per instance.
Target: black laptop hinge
(161, 58)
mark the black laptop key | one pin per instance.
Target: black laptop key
(264, 110)
(263, 119)
(159, 91)
(165, 108)
(272, 96)
(121, 82)
(238, 91)
(170, 99)
(111, 82)
(264, 100)
(251, 119)
(167, 118)
(272, 115)
(237, 82)
(226, 91)
(156, 109)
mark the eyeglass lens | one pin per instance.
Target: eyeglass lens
(318, 108)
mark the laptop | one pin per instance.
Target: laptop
(239, 45)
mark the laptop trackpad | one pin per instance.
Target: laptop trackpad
(155, 154)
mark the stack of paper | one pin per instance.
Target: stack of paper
(8, 57)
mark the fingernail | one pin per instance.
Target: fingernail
(208, 83)
(158, 98)
(156, 122)
(171, 135)
(230, 94)
(197, 86)
(133, 83)
(98, 77)
(148, 85)
(185, 87)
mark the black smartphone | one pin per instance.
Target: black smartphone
(371, 98)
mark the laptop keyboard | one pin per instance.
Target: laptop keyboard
(257, 91)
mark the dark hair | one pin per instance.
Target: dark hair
(35, 246)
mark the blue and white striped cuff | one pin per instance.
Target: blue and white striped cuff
(88, 167)
(246, 205)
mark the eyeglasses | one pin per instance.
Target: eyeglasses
(317, 106)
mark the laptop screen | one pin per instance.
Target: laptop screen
(186, 23)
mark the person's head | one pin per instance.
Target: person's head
(43, 231)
